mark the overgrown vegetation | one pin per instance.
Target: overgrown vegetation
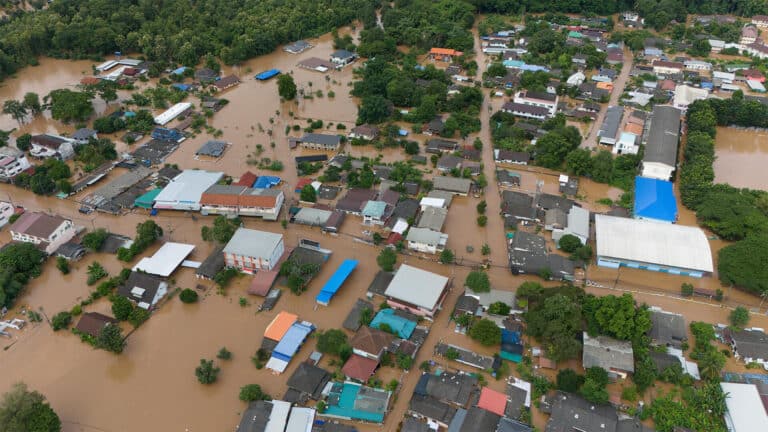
(146, 234)
(19, 262)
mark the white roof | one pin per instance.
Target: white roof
(416, 286)
(301, 420)
(107, 65)
(278, 417)
(172, 112)
(277, 365)
(187, 187)
(165, 260)
(745, 410)
(432, 202)
(730, 76)
(425, 236)
(578, 221)
(653, 243)
(686, 95)
(756, 85)
(253, 243)
(400, 226)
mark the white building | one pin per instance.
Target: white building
(172, 112)
(761, 21)
(46, 231)
(185, 190)
(6, 211)
(52, 146)
(12, 162)
(660, 159)
(726, 77)
(744, 408)
(537, 99)
(252, 250)
(627, 144)
(686, 95)
(426, 240)
(698, 65)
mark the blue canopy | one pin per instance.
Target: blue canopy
(654, 200)
(180, 71)
(267, 74)
(266, 182)
(334, 283)
(292, 340)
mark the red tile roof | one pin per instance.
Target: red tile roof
(301, 183)
(359, 368)
(492, 401)
(247, 179)
(445, 51)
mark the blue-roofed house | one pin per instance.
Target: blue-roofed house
(654, 200)
(181, 87)
(289, 345)
(180, 71)
(400, 326)
(266, 182)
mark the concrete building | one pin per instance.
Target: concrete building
(610, 127)
(402, 292)
(686, 95)
(744, 408)
(613, 355)
(316, 141)
(667, 67)
(537, 99)
(185, 190)
(47, 232)
(666, 248)
(526, 111)
(252, 250)
(233, 200)
(661, 141)
(12, 162)
(52, 146)
(627, 144)
(426, 240)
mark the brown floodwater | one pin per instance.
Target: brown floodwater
(740, 157)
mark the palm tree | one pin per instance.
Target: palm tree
(15, 109)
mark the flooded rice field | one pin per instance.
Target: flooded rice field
(740, 158)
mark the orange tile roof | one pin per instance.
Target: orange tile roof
(445, 51)
(359, 368)
(605, 85)
(492, 401)
(280, 325)
(634, 128)
(90, 81)
(247, 179)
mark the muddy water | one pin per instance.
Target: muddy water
(741, 156)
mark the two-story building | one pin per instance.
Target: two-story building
(537, 99)
(251, 250)
(52, 146)
(233, 200)
(12, 162)
(48, 232)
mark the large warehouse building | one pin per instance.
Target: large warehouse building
(655, 246)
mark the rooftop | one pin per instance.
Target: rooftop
(359, 368)
(212, 148)
(663, 135)
(493, 401)
(654, 199)
(253, 243)
(371, 340)
(187, 187)
(309, 379)
(37, 224)
(751, 343)
(91, 323)
(431, 287)
(608, 353)
(745, 409)
(165, 260)
(667, 327)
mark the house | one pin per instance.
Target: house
(52, 146)
(686, 95)
(265, 416)
(434, 127)
(226, 82)
(571, 412)
(374, 213)
(760, 21)
(144, 289)
(431, 409)
(439, 146)
(359, 368)
(171, 113)
(479, 420)
(579, 59)
(185, 190)
(166, 134)
(426, 240)
(751, 345)
(47, 232)
(211, 265)
(364, 132)
(537, 99)
(697, 65)
(252, 250)
(667, 67)
(424, 301)
(651, 51)
(511, 157)
(526, 111)
(452, 388)
(748, 35)
(660, 159)
(448, 162)
(615, 56)
(70, 251)
(297, 47)
(528, 255)
(753, 75)
(577, 224)
(316, 141)
(12, 162)
(757, 49)
(458, 186)
(433, 218)
(83, 135)
(343, 57)
(610, 127)
(212, 149)
(443, 54)
(355, 200)
(667, 328)
(554, 219)
(654, 200)
(92, 323)
(370, 342)
(518, 205)
(507, 178)
(627, 143)
(613, 355)
(232, 200)
(745, 410)
(492, 401)
(309, 381)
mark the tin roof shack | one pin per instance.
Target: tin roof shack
(265, 416)
(667, 328)
(518, 205)
(144, 289)
(426, 300)
(613, 355)
(467, 357)
(751, 345)
(252, 250)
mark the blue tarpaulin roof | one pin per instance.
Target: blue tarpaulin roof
(292, 340)
(180, 86)
(654, 199)
(401, 326)
(335, 282)
(180, 71)
(267, 74)
(266, 182)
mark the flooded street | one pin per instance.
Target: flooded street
(740, 158)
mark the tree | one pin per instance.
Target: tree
(593, 392)
(61, 320)
(24, 142)
(207, 373)
(286, 87)
(711, 363)
(602, 167)
(686, 289)
(253, 392)
(387, 259)
(374, 109)
(138, 316)
(412, 148)
(579, 162)
(223, 229)
(446, 256)
(743, 264)
(15, 109)
(478, 281)
(122, 308)
(496, 70)
(224, 354)
(569, 381)
(188, 296)
(95, 272)
(62, 264)
(67, 105)
(485, 249)
(482, 220)
(111, 339)
(331, 341)
(452, 354)
(556, 322)
(481, 207)
(308, 194)
(499, 308)
(617, 317)
(486, 332)
(32, 103)
(569, 243)
(95, 239)
(739, 317)
(22, 410)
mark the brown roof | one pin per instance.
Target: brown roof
(262, 282)
(48, 141)
(668, 64)
(371, 341)
(91, 323)
(247, 179)
(359, 367)
(226, 82)
(37, 224)
(90, 81)
(634, 128)
(242, 196)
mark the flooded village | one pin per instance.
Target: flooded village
(530, 228)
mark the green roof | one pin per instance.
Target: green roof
(148, 199)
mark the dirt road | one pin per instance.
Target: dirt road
(590, 141)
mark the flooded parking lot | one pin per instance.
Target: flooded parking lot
(740, 158)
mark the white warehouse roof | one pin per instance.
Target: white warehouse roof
(172, 112)
(165, 260)
(745, 409)
(649, 242)
(187, 188)
(417, 287)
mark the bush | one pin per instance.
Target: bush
(253, 392)
(569, 381)
(686, 290)
(207, 373)
(331, 341)
(122, 308)
(499, 308)
(188, 296)
(61, 320)
(629, 393)
(482, 220)
(486, 332)
(452, 354)
(76, 310)
(478, 281)
(62, 264)
(224, 354)
(446, 256)
(387, 259)
(95, 272)
(739, 317)
(569, 243)
(138, 316)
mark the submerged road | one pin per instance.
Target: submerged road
(590, 140)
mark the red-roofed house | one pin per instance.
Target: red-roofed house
(444, 54)
(492, 401)
(302, 182)
(754, 75)
(262, 282)
(248, 179)
(668, 85)
(359, 368)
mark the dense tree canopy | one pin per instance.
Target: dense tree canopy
(22, 410)
(18, 263)
(554, 318)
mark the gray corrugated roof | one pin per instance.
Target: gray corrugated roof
(667, 328)
(212, 148)
(663, 135)
(424, 235)
(452, 184)
(433, 218)
(610, 126)
(608, 353)
(253, 243)
(572, 412)
(751, 343)
(323, 139)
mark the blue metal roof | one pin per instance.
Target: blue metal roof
(292, 340)
(654, 199)
(180, 71)
(403, 327)
(266, 182)
(267, 74)
(334, 283)
(180, 86)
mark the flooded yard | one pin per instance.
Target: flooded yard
(740, 157)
